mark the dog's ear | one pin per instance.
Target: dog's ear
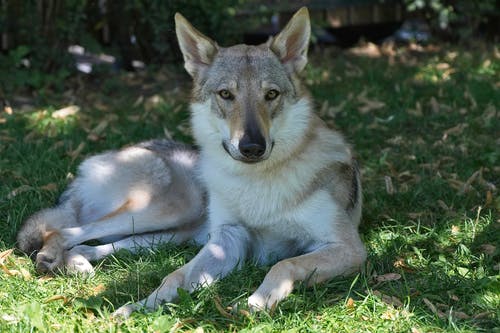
(197, 49)
(291, 44)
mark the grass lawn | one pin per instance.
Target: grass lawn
(425, 123)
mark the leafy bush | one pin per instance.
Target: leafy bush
(461, 19)
(40, 32)
(154, 28)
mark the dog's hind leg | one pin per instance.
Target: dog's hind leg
(198, 235)
(127, 223)
(77, 260)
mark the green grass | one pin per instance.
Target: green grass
(426, 128)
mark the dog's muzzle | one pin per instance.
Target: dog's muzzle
(247, 152)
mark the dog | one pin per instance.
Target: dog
(271, 183)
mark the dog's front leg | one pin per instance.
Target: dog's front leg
(330, 260)
(226, 249)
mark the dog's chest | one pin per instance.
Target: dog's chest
(280, 206)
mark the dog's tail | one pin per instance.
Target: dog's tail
(40, 225)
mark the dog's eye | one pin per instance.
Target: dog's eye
(226, 94)
(272, 94)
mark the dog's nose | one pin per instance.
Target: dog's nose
(251, 149)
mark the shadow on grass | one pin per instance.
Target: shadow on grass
(443, 283)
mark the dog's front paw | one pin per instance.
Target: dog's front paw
(257, 302)
(124, 311)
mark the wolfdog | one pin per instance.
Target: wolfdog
(270, 183)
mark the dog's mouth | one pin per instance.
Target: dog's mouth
(241, 158)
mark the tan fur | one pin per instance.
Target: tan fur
(122, 209)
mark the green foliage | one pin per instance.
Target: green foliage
(155, 25)
(39, 33)
(460, 18)
(20, 73)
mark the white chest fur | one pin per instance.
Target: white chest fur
(272, 204)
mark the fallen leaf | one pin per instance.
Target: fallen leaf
(45, 278)
(10, 272)
(218, 306)
(489, 199)
(434, 104)
(66, 112)
(25, 274)
(368, 49)
(75, 153)
(134, 118)
(488, 249)
(388, 277)
(56, 298)
(178, 109)
(433, 308)
(51, 187)
(443, 66)
(152, 102)
(401, 264)
(455, 130)
(472, 100)
(89, 314)
(138, 101)
(5, 254)
(416, 215)
(443, 205)
(389, 188)
(455, 230)
(390, 300)
(350, 303)
(482, 315)
(468, 183)
(167, 133)
(417, 111)
(95, 133)
(368, 104)
(333, 110)
(459, 314)
(19, 190)
(323, 109)
(100, 288)
(178, 324)
(11, 319)
(352, 70)
(389, 315)
(7, 109)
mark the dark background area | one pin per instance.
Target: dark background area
(36, 35)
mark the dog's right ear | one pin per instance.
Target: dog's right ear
(197, 49)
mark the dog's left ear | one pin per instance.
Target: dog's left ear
(198, 50)
(291, 44)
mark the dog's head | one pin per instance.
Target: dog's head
(240, 92)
